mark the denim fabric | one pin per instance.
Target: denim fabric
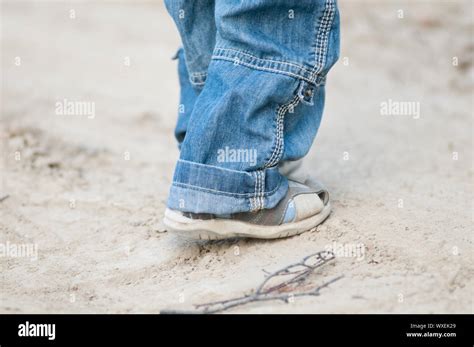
(188, 96)
(252, 76)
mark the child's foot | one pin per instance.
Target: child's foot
(302, 209)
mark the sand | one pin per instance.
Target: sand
(89, 191)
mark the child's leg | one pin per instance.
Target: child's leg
(188, 95)
(195, 21)
(261, 103)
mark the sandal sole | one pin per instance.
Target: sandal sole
(219, 229)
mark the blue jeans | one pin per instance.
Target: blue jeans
(252, 76)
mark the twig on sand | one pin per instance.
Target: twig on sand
(278, 285)
(3, 197)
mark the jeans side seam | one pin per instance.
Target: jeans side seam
(252, 200)
(257, 201)
(280, 121)
(322, 38)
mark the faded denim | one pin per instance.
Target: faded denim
(252, 76)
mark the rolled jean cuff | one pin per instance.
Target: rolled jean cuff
(201, 188)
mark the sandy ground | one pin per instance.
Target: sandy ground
(90, 193)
